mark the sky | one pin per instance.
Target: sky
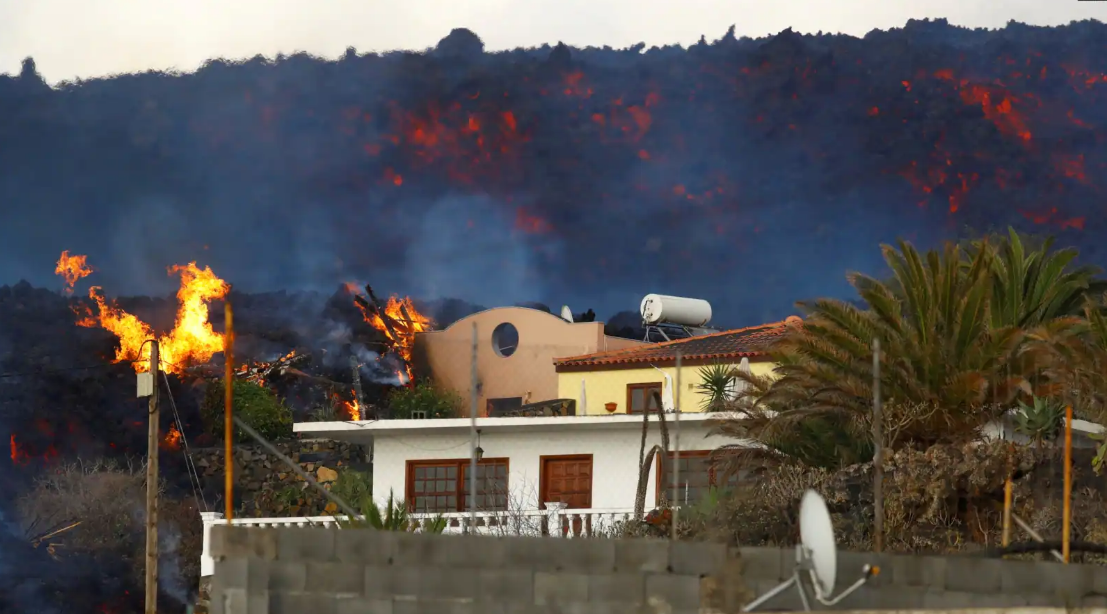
(82, 39)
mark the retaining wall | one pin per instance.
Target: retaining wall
(937, 582)
(327, 571)
(323, 571)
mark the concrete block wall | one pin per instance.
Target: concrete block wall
(324, 571)
(936, 582)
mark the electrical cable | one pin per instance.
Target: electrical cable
(190, 466)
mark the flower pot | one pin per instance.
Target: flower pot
(611, 407)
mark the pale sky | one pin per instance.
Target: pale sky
(89, 38)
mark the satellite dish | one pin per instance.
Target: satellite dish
(818, 556)
(817, 535)
(566, 313)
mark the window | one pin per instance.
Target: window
(696, 478)
(418, 414)
(441, 487)
(643, 397)
(505, 339)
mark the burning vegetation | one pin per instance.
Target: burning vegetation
(192, 339)
(398, 319)
(192, 343)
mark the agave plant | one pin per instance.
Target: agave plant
(1040, 421)
(717, 381)
(393, 517)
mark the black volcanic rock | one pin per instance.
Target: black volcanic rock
(560, 172)
(460, 43)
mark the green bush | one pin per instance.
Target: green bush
(255, 405)
(352, 486)
(424, 396)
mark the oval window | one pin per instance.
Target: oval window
(505, 339)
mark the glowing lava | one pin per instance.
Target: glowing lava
(172, 439)
(192, 339)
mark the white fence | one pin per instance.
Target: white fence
(555, 521)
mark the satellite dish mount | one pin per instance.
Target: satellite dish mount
(817, 555)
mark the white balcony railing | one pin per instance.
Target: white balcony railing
(555, 521)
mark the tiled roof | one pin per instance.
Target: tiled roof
(749, 342)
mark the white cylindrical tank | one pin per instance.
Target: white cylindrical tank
(661, 309)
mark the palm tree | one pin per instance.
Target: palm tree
(1032, 288)
(944, 369)
(784, 434)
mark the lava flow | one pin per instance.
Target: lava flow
(172, 439)
(192, 339)
(20, 455)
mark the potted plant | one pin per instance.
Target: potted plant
(611, 407)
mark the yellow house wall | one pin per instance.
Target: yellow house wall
(611, 386)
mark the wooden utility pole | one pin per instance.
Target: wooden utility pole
(228, 414)
(878, 454)
(152, 485)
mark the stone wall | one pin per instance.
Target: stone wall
(265, 486)
(944, 582)
(324, 571)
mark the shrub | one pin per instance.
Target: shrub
(393, 516)
(255, 405)
(424, 396)
(108, 500)
(352, 486)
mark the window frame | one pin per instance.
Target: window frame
(660, 386)
(462, 465)
(665, 482)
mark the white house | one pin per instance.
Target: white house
(586, 464)
(563, 476)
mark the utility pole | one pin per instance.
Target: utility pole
(152, 485)
(878, 454)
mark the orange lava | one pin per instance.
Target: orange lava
(172, 439)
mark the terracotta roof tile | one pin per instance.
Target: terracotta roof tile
(748, 342)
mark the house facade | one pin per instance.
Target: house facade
(628, 377)
(515, 348)
(588, 464)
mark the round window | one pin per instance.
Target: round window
(505, 339)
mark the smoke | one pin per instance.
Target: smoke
(338, 344)
(170, 580)
(459, 239)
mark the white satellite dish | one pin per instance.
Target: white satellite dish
(566, 313)
(818, 555)
(817, 535)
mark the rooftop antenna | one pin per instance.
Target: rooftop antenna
(817, 555)
(566, 314)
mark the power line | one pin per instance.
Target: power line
(11, 374)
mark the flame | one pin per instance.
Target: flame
(72, 269)
(192, 338)
(405, 327)
(353, 407)
(172, 439)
